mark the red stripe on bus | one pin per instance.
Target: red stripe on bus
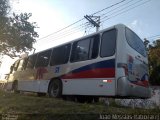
(94, 73)
(143, 83)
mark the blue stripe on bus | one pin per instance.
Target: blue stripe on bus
(103, 64)
(103, 69)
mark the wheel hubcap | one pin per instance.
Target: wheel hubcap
(54, 89)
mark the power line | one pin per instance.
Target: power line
(62, 29)
(81, 20)
(153, 36)
(153, 39)
(64, 34)
(79, 27)
(124, 11)
(109, 7)
(118, 8)
(68, 33)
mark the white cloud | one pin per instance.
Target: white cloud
(136, 26)
(134, 23)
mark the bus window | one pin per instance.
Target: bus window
(24, 63)
(85, 49)
(43, 58)
(20, 66)
(16, 65)
(108, 44)
(94, 47)
(80, 50)
(135, 42)
(12, 69)
(31, 61)
(60, 55)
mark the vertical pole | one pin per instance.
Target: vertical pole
(97, 28)
(93, 22)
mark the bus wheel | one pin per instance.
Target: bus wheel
(15, 87)
(55, 89)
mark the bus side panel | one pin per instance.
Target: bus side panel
(9, 82)
(28, 85)
(92, 77)
(94, 86)
(33, 85)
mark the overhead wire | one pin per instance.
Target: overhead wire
(65, 34)
(121, 9)
(79, 27)
(153, 36)
(127, 10)
(109, 7)
(118, 8)
(81, 20)
(66, 31)
(69, 33)
(62, 29)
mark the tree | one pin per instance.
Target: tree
(146, 42)
(154, 62)
(17, 34)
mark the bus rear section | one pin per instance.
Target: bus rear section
(132, 65)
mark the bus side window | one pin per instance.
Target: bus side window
(12, 68)
(31, 61)
(16, 65)
(24, 63)
(80, 50)
(94, 47)
(108, 44)
(60, 55)
(43, 59)
(20, 65)
(85, 49)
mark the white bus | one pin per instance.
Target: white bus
(109, 63)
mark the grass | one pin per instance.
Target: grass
(30, 107)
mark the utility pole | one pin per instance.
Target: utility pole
(93, 22)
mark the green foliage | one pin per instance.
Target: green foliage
(17, 34)
(4, 7)
(154, 62)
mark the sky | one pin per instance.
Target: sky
(53, 15)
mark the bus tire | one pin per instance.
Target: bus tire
(55, 88)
